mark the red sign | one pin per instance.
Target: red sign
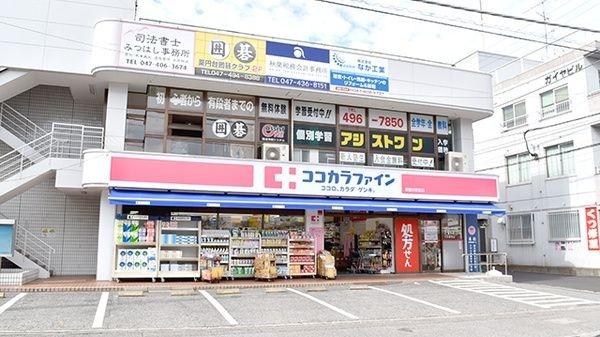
(407, 245)
(424, 184)
(591, 221)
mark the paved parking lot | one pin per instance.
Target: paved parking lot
(449, 308)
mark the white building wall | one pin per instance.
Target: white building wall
(542, 194)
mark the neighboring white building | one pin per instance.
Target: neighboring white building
(556, 105)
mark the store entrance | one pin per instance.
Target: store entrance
(430, 247)
(361, 243)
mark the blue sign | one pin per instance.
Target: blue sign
(473, 243)
(359, 81)
(6, 237)
(297, 66)
(297, 52)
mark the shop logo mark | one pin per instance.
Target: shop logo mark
(275, 177)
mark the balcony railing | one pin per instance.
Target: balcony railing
(513, 123)
(556, 109)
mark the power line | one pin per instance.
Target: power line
(506, 16)
(479, 30)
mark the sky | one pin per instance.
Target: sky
(314, 21)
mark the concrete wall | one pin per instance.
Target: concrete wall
(54, 35)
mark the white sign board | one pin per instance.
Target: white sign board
(421, 123)
(352, 157)
(273, 108)
(388, 159)
(157, 49)
(387, 120)
(313, 112)
(353, 116)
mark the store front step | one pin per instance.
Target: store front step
(88, 283)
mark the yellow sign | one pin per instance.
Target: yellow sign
(229, 56)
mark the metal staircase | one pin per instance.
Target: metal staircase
(37, 155)
(17, 130)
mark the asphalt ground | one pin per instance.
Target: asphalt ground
(409, 309)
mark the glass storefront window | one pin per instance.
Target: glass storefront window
(155, 123)
(182, 146)
(227, 221)
(185, 100)
(156, 97)
(135, 125)
(451, 227)
(283, 222)
(229, 150)
(314, 156)
(153, 144)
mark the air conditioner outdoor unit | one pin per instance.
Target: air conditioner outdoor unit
(278, 152)
(456, 162)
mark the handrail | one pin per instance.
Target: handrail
(64, 141)
(43, 252)
(18, 124)
(490, 261)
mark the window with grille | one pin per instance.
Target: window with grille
(560, 160)
(514, 115)
(518, 168)
(563, 226)
(555, 101)
(520, 228)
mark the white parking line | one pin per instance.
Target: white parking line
(219, 308)
(452, 311)
(323, 303)
(10, 302)
(100, 311)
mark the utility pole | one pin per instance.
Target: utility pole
(481, 23)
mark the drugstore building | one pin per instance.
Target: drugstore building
(173, 141)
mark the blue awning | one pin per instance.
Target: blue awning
(154, 198)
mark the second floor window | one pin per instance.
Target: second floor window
(560, 160)
(518, 168)
(555, 101)
(514, 115)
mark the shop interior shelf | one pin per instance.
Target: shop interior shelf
(274, 246)
(193, 273)
(301, 247)
(274, 237)
(244, 247)
(244, 256)
(181, 229)
(188, 245)
(216, 236)
(194, 259)
(244, 238)
(370, 247)
(301, 240)
(242, 265)
(137, 244)
(216, 244)
(302, 254)
(300, 263)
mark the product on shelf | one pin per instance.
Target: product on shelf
(264, 266)
(136, 260)
(326, 265)
(134, 232)
(301, 254)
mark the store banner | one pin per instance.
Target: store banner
(422, 144)
(230, 57)
(352, 139)
(162, 171)
(294, 65)
(352, 116)
(388, 120)
(274, 132)
(314, 112)
(273, 108)
(421, 123)
(184, 100)
(387, 159)
(353, 157)
(591, 222)
(153, 48)
(388, 142)
(407, 245)
(442, 125)
(359, 74)
(314, 135)
(444, 145)
(472, 229)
